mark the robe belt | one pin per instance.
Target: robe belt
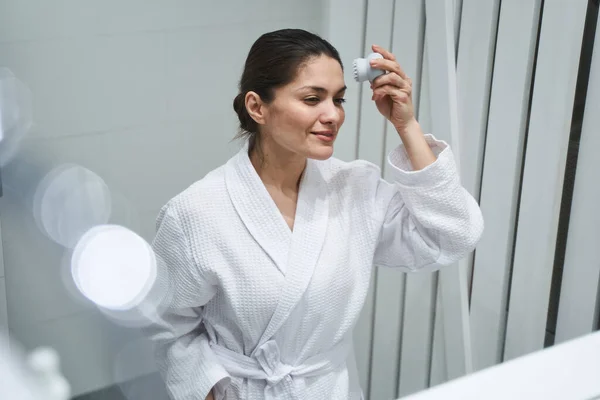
(281, 378)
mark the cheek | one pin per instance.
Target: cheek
(342, 116)
(301, 118)
(292, 116)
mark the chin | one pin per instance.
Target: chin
(321, 153)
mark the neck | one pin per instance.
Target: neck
(276, 167)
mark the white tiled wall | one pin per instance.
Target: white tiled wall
(139, 92)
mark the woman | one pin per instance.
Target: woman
(269, 256)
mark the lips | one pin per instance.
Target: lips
(323, 133)
(325, 136)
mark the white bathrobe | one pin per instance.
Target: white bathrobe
(259, 311)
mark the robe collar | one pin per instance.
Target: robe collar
(295, 253)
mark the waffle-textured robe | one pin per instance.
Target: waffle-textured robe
(259, 311)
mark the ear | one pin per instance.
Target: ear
(256, 107)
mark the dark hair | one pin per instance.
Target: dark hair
(273, 61)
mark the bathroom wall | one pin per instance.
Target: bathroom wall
(139, 93)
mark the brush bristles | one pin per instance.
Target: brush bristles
(355, 70)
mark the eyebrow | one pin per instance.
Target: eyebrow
(320, 89)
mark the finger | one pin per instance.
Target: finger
(386, 54)
(389, 56)
(393, 80)
(397, 95)
(388, 65)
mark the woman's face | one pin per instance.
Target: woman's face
(306, 114)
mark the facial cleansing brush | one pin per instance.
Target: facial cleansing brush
(363, 70)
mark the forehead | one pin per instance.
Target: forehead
(322, 71)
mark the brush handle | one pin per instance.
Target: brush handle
(363, 70)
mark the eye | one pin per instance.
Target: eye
(312, 100)
(316, 100)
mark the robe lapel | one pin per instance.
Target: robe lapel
(310, 227)
(257, 209)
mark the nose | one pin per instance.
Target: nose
(331, 113)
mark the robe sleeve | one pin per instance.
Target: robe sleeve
(428, 220)
(185, 360)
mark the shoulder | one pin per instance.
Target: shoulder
(339, 172)
(200, 198)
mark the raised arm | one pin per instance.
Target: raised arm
(427, 219)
